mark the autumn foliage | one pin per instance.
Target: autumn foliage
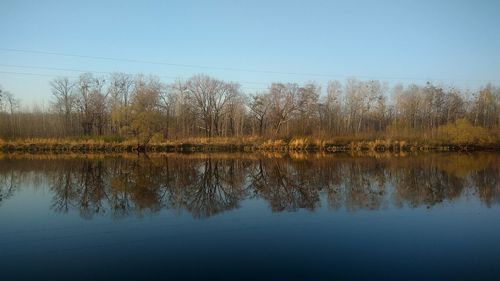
(462, 132)
(207, 111)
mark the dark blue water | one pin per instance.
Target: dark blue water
(250, 217)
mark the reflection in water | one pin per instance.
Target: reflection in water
(8, 185)
(205, 185)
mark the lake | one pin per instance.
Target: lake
(250, 216)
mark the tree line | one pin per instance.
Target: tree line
(144, 108)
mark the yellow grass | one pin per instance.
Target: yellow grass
(247, 143)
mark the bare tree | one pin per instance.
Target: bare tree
(62, 90)
(283, 101)
(85, 85)
(99, 106)
(119, 92)
(307, 107)
(209, 97)
(259, 106)
(333, 106)
(11, 105)
(91, 103)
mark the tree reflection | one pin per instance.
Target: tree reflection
(286, 185)
(207, 185)
(213, 187)
(138, 186)
(487, 187)
(9, 182)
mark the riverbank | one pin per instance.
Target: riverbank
(238, 144)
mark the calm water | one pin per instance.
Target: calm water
(250, 216)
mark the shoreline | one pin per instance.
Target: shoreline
(295, 145)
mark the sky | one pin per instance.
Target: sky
(451, 43)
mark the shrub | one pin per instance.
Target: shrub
(462, 132)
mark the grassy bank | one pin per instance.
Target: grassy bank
(239, 144)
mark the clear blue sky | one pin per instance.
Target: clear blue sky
(455, 43)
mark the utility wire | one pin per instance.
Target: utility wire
(76, 77)
(101, 72)
(233, 68)
(156, 62)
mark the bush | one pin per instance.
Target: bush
(462, 132)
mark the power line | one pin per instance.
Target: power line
(68, 69)
(76, 77)
(101, 72)
(235, 69)
(33, 74)
(157, 62)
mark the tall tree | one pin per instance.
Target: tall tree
(259, 106)
(119, 91)
(209, 98)
(283, 100)
(145, 112)
(62, 90)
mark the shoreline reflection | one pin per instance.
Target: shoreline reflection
(205, 185)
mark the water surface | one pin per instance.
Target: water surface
(430, 216)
